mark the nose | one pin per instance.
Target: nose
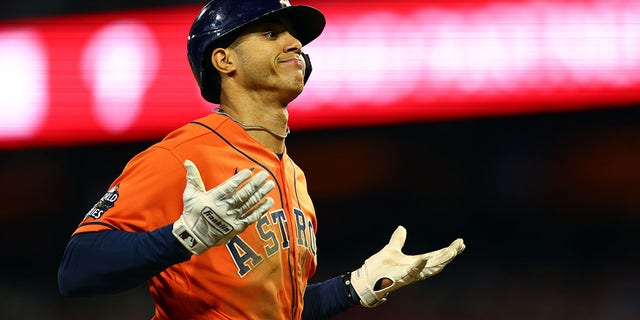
(292, 43)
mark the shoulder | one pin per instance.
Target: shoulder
(208, 130)
(196, 140)
(169, 152)
(188, 132)
(298, 171)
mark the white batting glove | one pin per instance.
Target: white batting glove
(213, 217)
(391, 264)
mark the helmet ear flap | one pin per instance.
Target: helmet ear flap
(307, 68)
(210, 85)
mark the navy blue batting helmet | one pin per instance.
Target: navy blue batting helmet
(218, 25)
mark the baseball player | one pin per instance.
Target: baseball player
(216, 217)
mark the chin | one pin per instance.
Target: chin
(291, 93)
(296, 86)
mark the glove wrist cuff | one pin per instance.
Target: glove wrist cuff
(352, 295)
(364, 289)
(187, 238)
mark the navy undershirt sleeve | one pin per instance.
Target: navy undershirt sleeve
(113, 261)
(325, 299)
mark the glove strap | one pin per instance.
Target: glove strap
(364, 290)
(352, 295)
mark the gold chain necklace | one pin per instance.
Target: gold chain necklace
(255, 126)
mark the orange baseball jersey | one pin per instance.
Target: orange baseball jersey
(262, 272)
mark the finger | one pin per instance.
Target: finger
(417, 267)
(431, 254)
(193, 176)
(230, 185)
(249, 189)
(257, 196)
(398, 238)
(436, 261)
(442, 257)
(458, 245)
(259, 211)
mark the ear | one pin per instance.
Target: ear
(222, 60)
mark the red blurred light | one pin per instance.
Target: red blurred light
(116, 76)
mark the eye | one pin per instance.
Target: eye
(270, 34)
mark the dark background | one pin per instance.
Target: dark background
(547, 205)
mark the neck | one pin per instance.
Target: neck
(267, 125)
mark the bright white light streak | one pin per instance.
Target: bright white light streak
(23, 83)
(118, 65)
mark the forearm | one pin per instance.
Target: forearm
(325, 299)
(113, 261)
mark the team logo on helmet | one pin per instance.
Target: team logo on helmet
(105, 203)
(285, 3)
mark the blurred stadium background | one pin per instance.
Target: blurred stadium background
(512, 124)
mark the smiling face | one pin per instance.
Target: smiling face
(267, 60)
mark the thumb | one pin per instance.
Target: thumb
(193, 176)
(398, 238)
